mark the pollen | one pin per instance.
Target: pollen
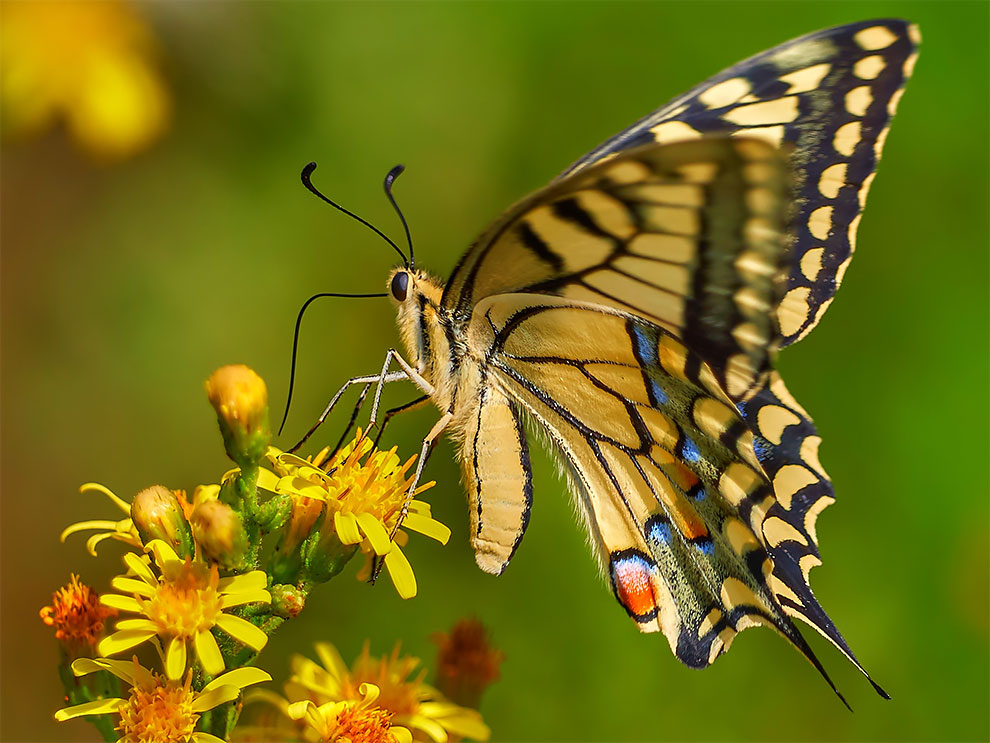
(77, 614)
(364, 725)
(158, 712)
(187, 600)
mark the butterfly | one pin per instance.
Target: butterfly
(629, 314)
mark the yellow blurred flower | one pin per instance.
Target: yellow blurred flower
(159, 710)
(365, 490)
(413, 703)
(182, 606)
(89, 63)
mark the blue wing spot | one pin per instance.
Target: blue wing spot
(658, 530)
(698, 493)
(689, 449)
(704, 545)
(658, 393)
(763, 448)
(646, 344)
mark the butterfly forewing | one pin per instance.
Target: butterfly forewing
(831, 96)
(689, 236)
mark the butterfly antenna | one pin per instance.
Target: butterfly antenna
(306, 176)
(389, 180)
(295, 340)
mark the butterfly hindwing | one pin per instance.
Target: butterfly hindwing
(688, 235)
(830, 95)
(661, 461)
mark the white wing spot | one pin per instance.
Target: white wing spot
(869, 67)
(858, 100)
(874, 38)
(777, 111)
(847, 137)
(674, 131)
(725, 93)
(820, 222)
(807, 79)
(832, 179)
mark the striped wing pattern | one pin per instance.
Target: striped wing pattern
(689, 236)
(830, 95)
(663, 464)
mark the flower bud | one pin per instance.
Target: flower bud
(324, 555)
(287, 601)
(220, 532)
(240, 398)
(287, 557)
(158, 514)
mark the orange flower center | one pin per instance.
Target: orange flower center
(363, 726)
(162, 713)
(187, 601)
(77, 614)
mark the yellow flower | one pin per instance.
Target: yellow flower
(182, 606)
(121, 531)
(77, 615)
(349, 721)
(89, 63)
(365, 490)
(160, 710)
(413, 704)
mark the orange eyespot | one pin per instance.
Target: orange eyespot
(400, 286)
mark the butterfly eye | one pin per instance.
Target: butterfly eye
(400, 286)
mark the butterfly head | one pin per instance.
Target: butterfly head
(416, 296)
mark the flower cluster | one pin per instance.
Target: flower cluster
(201, 593)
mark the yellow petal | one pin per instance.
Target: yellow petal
(125, 670)
(239, 678)
(84, 525)
(400, 734)
(208, 652)
(347, 527)
(426, 725)
(206, 738)
(242, 631)
(121, 603)
(98, 707)
(401, 573)
(175, 658)
(215, 697)
(301, 486)
(248, 582)
(118, 642)
(466, 723)
(140, 568)
(121, 504)
(162, 551)
(375, 531)
(267, 480)
(331, 660)
(129, 585)
(245, 597)
(427, 526)
(140, 624)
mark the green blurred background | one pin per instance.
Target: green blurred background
(126, 283)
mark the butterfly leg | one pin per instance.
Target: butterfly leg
(367, 379)
(417, 403)
(407, 372)
(439, 427)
